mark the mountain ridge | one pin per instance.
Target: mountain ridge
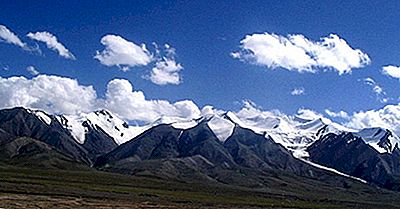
(212, 146)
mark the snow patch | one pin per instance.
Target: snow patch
(334, 171)
(382, 140)
(74, 124)
(222, 128)
(42, 116)
(116, 128)
(293, 132)
(377, 147)
(185, 125)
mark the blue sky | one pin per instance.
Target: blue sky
(204, 34)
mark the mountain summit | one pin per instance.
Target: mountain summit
(209, 147)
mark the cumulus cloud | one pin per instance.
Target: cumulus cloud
(390, 70)
(123, 100)
(377, 89)
(298, 91)
(166, 69)
(61, 95)
(297, 53)
(32, 70)
(387, 117)
(125, 54)
(251, 110)
(52, 43)
(309, 114)
(122, 53)
(341, 114)
(166, 72)
(51, 93)
(7, 36)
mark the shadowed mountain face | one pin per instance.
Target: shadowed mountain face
(4, 136)
(28, 152)
(97, 142)
(350, 154)
(158, 142)
(19, 122)
(252, 150)
(158, 152)
(200, 140)
(245, 158)
(166, 142)
(196, 153)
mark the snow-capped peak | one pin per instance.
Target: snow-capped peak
(295, 133)
(41, 115)
(74, 124)
(382, 140)
(176, 122)
(116, 128)
(222, 126)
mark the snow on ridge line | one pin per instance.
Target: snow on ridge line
(74, 125)
(221, 123)
(115, 127)
(295, 134)
(184, 125)
(333, 171)
(221, 127)
(373, 137)
(41, 115)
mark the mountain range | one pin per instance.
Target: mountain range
(216, 147)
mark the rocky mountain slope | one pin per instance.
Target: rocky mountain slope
(218, 146)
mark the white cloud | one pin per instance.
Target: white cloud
(392, 71)
(52, 43)
(32, 70)
(298, 91)
(387, 117)
(125, 54)
(9, 37)
(340, 114)
(50, 93)
(165, 72)
(122, 53)
(308, 114)
(132, 105)
(377, 89)
(166, 69)
(61, 95)
(297, 53)
(251, 110)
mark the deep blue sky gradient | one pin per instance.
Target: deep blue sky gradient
(204, 34)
